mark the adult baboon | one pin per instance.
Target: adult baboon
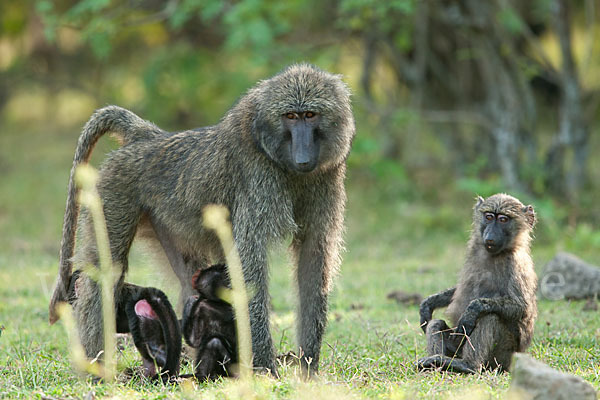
(493, 307)
(276, 160)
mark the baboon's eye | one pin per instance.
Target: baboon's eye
(290, 115)
(309, 114)
(503, 219)
(489, 216)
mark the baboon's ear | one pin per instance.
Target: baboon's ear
(259, 125)
(530, 216)
(480, 201)
(196, 279)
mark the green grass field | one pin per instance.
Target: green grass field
(371, 342)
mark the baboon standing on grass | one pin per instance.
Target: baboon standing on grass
(276, 160)
(493, 307)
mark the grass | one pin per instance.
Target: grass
(393, 243)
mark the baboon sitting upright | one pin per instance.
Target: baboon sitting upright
(493, 307)
(276, 160)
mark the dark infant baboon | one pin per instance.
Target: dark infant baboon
(147, 314)
(493, 306)
(208, 324)
(276, 160)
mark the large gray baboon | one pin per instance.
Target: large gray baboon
(493, 307)
(276, 160)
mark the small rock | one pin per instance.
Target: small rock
(568, 277)
(532, 379)
(90, 396)
(425, 269)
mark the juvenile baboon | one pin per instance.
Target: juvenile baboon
(147, 314)
(208, 324)
(493, 306)
(276, 160)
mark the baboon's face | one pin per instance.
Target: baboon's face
(301, 145)
(496, 231)
(501, 220)
(211, 281)
(303, 119)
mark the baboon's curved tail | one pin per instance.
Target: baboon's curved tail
(127, 127)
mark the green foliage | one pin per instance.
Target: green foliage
(360, 14)
(255, 23)
(186, 9)
(583, 238)
(510, 19)
(180, 86)
(13, 18)
(45, 8)
(481, 187)
(381, 16)
(390, 174)
(244, 24)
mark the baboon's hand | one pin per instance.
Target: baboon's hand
(468, 320)
(433, 302)
(466, 324)
(426, 314)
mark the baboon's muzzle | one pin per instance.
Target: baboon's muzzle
(305, 150)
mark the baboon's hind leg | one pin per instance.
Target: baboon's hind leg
(122, 217)
(183, 268)
(445, 363)
(492, 344)
(88, 311)
(441, 339)
(444, 347)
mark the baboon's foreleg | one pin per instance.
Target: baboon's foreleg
(491, 344)
(252, 249)
(507, 308)
(262, 342)
(312, 281)
(432, 302)
(316, 247)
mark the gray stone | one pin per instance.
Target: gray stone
(568, 277)
(534, 380)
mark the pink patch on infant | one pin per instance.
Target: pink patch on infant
(144, 309)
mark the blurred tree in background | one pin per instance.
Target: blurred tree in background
(479, 96)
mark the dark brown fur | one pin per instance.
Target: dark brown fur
(494, 302)
(244, 162)
(156, 333)
(208, 325)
